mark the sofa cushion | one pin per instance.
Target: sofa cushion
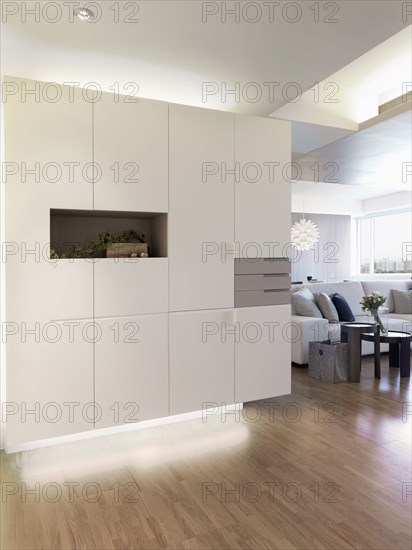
(344, 311)
(403, 301)
(304, 303)
(399, 323)
(385, 288)
(352, 290)
(405, 316)
(293, 289)
(327, 307)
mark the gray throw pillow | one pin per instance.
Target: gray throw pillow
(327, 307)
(403, 301)
(304, 303)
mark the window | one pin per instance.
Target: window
(365, 233)
(384, 242)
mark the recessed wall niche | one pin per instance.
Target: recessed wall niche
(68, 227)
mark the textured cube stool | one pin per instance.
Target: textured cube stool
(328, 361)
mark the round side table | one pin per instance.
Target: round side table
(399, 350)
(351, 333)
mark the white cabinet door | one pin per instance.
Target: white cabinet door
(262, 353)
(49, 381)
(48, 290)
(125, 286)
(49, 348)
(201, 210)
(131, 151)
(131, 370)
(49, 359)
(48, 151)
(201, 359)
(262, 194)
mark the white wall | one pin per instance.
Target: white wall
(2, 287)
(326, 198)
(353, 200)
(387, 202)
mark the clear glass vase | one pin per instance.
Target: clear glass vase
(379, 316)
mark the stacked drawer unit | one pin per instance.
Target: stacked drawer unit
(262, 282)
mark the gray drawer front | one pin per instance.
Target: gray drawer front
(251, 266)
(250, 298)
(270, 281)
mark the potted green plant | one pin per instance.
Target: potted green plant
(127, 244)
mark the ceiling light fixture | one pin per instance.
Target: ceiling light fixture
(84, 14)
(305, 233)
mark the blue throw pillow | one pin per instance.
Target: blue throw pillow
(344, 311)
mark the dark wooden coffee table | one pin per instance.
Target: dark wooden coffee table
(399, 350)
(351, 333)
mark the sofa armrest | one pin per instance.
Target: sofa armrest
(305, 330)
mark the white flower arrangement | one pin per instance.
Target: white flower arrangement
(371, 301)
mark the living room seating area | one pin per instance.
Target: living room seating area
(314, 327)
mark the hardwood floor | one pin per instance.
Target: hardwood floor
(327, 467)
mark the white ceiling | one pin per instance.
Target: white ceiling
(333, 191)
(306, 137)
(354, 93)
(170, 52)
(374, 157)
(370, 155)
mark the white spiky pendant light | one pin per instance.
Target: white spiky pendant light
(305, 233)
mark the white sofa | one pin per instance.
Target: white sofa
(309, 329)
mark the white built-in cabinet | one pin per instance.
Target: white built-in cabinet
(126, 286)
(48, 146)
(131, 379)
(49, 305)
(201, 209)
(131, 153)
(49, 380)
(228, 197)
(262, 194)
(131, 340)
(262, 352)
(202, 366)
(228, 356)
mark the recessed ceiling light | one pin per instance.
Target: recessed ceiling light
(84, 14)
